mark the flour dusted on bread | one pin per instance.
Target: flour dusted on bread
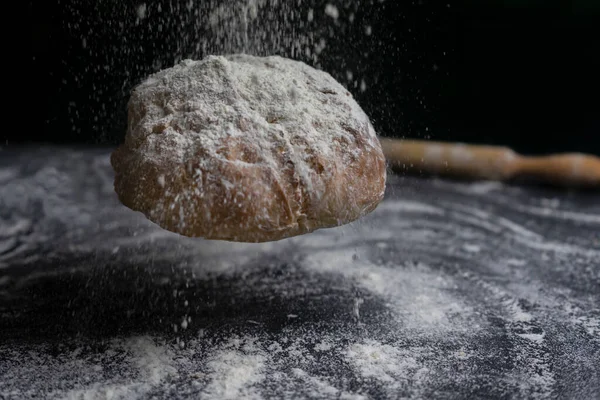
(248, 149)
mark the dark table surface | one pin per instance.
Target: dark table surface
(448, 290)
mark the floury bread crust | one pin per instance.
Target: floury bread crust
(247, 149)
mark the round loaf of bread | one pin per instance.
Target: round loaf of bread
(247, 149)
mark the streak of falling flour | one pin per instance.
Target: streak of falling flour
(118, 44)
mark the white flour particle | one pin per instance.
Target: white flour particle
(363, 85)
(332, 11)
(141, 11)
(472, 248)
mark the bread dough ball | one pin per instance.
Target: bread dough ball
(247, 149)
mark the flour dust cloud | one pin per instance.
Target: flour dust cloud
(377, 49)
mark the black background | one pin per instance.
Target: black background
(518, 73)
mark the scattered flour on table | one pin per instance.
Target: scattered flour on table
(500, 193)
(140, 362)
(406, 206)
(153, 364)
(7, 174)
(532, 367)
(590, 324)
(423, 301)
(387, 364)
(320, 388)
(415, 293)
(234, 368)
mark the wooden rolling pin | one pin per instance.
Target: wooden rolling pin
(491, 162)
